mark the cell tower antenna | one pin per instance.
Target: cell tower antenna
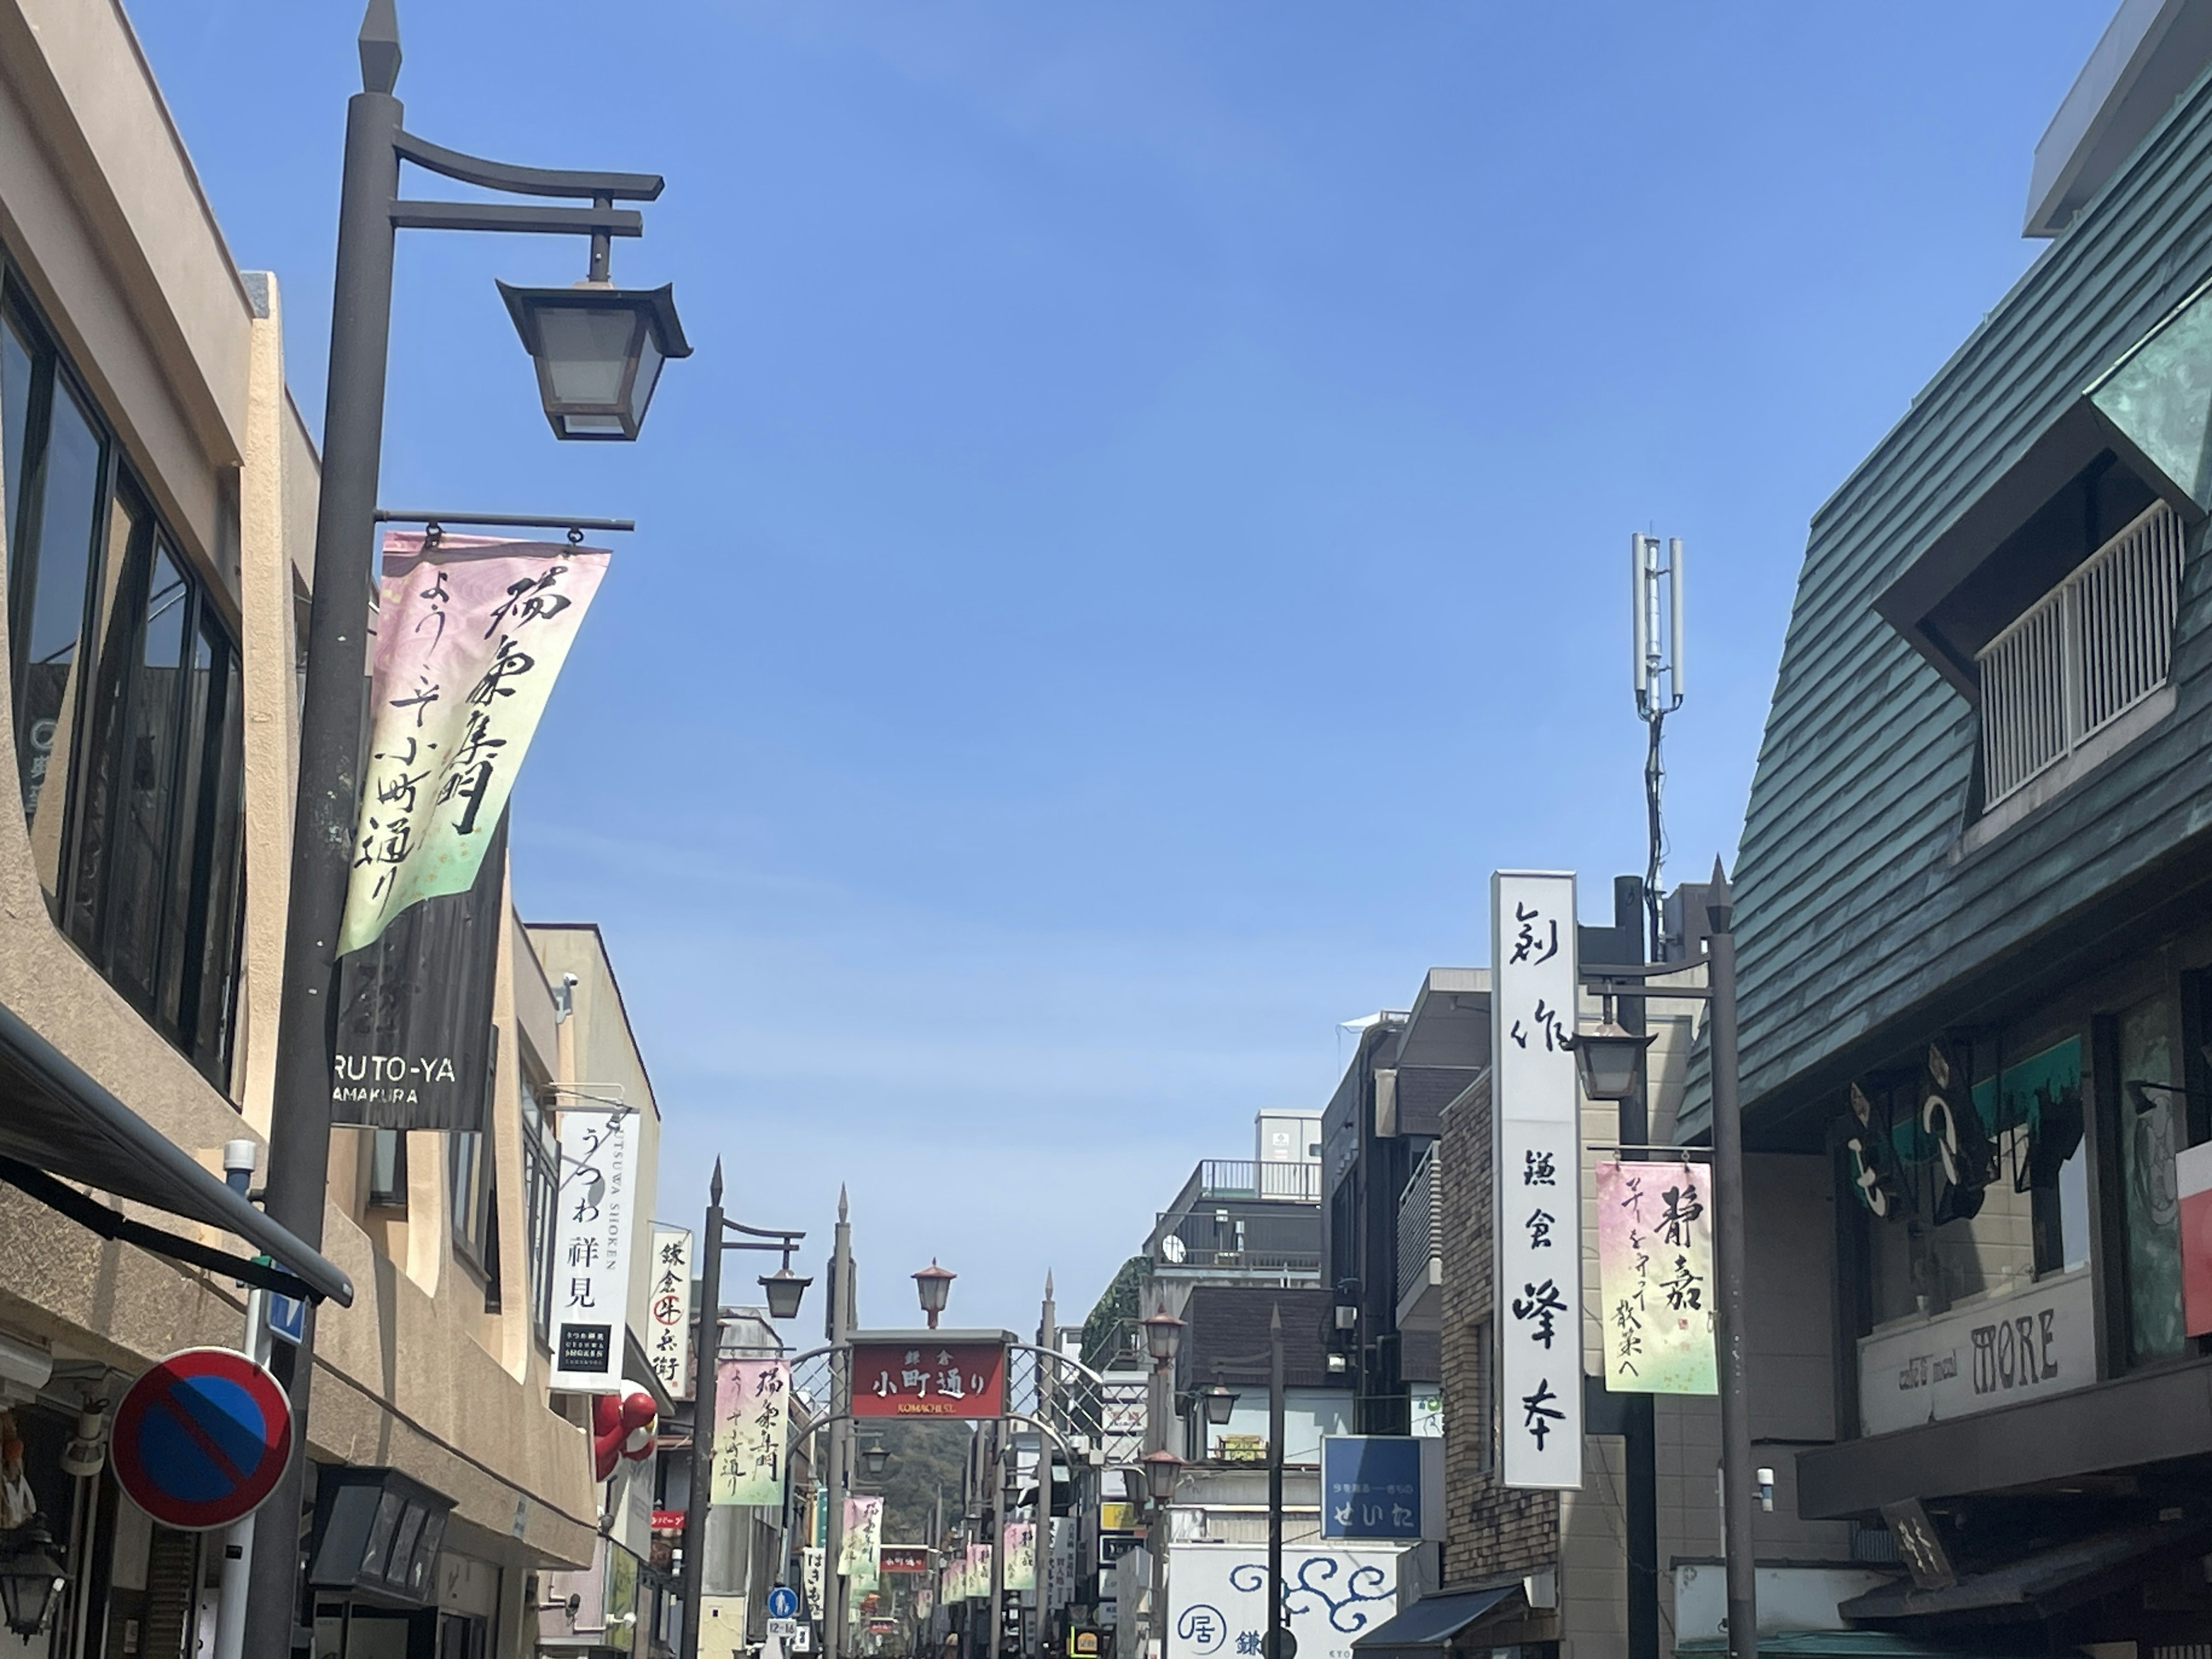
(1656, 580)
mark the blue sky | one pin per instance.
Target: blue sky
(1143, 533)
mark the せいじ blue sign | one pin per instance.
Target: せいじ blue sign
(1370, 1487)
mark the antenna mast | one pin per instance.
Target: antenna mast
(1656, 576)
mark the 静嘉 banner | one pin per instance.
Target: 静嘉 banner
(1655, 1263)
(471, 634)
(752, 1400)
(1021, 1556)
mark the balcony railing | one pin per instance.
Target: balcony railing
(1263, 1241)
(1421, 1224)
(1244, 1177)
(2088, 650)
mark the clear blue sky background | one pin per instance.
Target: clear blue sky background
(1144, 532)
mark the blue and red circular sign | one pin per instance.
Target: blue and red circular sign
(201, 1439)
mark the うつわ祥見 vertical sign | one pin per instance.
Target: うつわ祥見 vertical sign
(1537, 1217)
(593, 1234)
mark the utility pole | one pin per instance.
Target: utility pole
(1728, 1266)
(1274, 1648)
(1048, 1339)
(841, 1406)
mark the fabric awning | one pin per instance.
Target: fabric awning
(1831, 1645)
(59, 1122)
(1427, 1628)
(2036, 1586)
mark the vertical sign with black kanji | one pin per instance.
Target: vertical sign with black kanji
(592, 1243)
(1538, 1140)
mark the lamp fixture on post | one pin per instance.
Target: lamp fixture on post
(934, 1284)
(30, 1578)
(1607, 1058)
(785, 1291)
(598, 349)
(877, 1455)
(1219, 1402)
(1163, 1336)
(1161, 1470)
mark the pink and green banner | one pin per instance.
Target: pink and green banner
(1654, 1259)
(751, 1432)
(1021, 1556)
(471, 634)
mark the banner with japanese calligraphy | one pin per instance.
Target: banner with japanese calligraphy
(928, 1379)
(412, 1044)
(593, 1229)
(810, 1581)
(977, 1584)
(1654, 1262)
(1021, 1556)
(1536, 1103)
(864, 1536)
(471, 634)
(668, 1311)
(752, 1399)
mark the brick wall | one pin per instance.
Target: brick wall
(1491, 1533)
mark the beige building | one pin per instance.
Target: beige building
(158, 515)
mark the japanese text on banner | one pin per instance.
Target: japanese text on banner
(752, 1401)
(668, 1311)
(471, 634)
(1654, 1257)
(864, 1537)
(591, 1243)
(1537, 1102)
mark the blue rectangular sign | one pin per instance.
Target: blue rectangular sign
(1370, 1487)
(288, 1319)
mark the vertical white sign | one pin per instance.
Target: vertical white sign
(668, 1314)
(1536, 1107)
(592, 1246)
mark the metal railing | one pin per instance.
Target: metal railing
(2088, 650)
(1244, 1177)
(1420, 1222)
(1269, 1242)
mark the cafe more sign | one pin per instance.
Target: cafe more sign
(2039, 1341)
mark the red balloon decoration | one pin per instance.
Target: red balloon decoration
(621, 1426)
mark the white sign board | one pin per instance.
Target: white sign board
(668, 1311)
(2039, 1341)
(1218, 1598)
(1536, 1107)
(592, 1238)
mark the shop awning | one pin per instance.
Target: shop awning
(60, 1126)
(2036, 1586)
(1426, 1629)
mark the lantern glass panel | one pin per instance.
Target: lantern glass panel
(586, 350)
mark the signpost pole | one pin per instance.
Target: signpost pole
(1277, 1646)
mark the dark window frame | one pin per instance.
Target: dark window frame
(183, 974)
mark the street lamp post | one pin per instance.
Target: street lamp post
(1610, 1062)
(785, 1291)
(1162, 1337)
(370, 214)
(1219, 1403)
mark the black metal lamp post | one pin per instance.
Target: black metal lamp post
(1219, 1403)
(29, 1579)
(1609, 1060)
(370, 212)
(786, 1290)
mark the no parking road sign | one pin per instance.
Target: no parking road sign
(201, 1439)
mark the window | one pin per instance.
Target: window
(470, 1201)
(541, 1188)
(387, 1170)
(2083, 655)
(2149, 1124)
(126, 697)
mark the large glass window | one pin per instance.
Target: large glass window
(541, 1186)
(126, 697)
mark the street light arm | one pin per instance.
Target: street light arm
(528, 181)
(529, 221)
